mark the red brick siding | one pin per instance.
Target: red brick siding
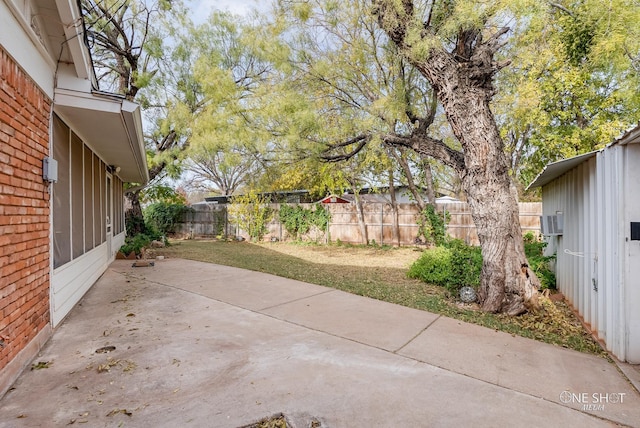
(24, 210)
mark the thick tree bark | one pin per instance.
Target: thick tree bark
(133, 216)
(463, 82)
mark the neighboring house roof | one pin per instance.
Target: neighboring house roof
(559, 168)
(333, 199)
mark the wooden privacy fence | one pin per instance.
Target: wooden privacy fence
(213, 220)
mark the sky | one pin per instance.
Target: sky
(201, 9)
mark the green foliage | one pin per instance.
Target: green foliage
(252, 213)
(298, 221)
(162, 193)
(452, 266)
(137, 242)
(538, 262)
(164, 217)
(572, 85)
(432, 226)
(456, 264)
(133, 223)
(466, 265)
(433, 267)
(577, 37)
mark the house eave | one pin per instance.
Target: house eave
(110, 125)
(72, 22)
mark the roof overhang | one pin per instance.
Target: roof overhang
(629, 137)
(111, 126)
(556, 169)
(73, 27)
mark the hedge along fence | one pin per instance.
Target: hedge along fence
(213, 220)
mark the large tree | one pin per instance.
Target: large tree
(454, 45)
(571, 87)
(369, 68)
(228, 150)
(138, 48)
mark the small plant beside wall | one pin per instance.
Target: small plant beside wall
(252, 214)
(539, 263)
(432, 226)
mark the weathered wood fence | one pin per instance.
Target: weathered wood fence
(213, 220)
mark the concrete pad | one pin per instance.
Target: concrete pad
(372, 322)
(581, 381)
(182, 359)
(239, 287)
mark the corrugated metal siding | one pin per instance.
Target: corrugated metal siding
(632, 252)
(591, 259)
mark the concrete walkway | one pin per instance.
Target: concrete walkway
(202, 345)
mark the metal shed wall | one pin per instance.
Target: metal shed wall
(593, 262)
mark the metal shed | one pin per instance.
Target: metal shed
(591, 220)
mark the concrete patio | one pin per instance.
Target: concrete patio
(204, 345)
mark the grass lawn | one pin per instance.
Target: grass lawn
(380, 273)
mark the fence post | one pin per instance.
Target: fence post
(381, 223)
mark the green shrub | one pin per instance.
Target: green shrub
(136, 243)
(466, 265)
(538, 262)
(452, 266)
(433, 267)
(164, 216)
(456, 264)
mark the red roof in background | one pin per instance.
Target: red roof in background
(333, 199)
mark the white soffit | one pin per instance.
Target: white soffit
(71, 19)
(111, 126)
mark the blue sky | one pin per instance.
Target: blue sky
(202, 8)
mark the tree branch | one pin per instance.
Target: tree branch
(361, 141)
(427, 146)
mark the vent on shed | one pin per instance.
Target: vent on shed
(552, 224)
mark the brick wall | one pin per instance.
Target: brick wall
(24, 210)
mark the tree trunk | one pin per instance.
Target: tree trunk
(360, 214)
(134, 219)
(428, 182)
(394, 211)
(408, 174)
(507, 283)
(462, 78)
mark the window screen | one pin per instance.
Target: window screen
(77, 196)
(61, 195)
(88, 199)
(97, 206)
